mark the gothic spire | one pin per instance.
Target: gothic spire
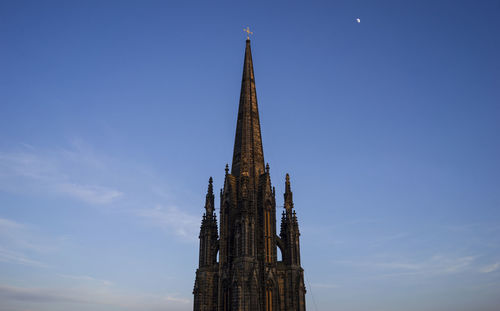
(248, 156)
(209, 202)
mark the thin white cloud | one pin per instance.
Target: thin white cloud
(444, 264)
(70, 172)
(398, 265)
(384, 240)
(14, 257)
(435, 265)
(178, 299)
(490, 268)
(25, 237)
(86, 278)
(80, 173)
(89, 194)
(38, 295)
(324, 285)
(172, 219)
(90, 298)
(7, 224)
(22, 243)
(73, 173)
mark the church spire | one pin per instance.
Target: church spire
(239, 269)
(248, 156)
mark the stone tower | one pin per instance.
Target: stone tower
(238, 265)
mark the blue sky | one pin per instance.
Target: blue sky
(114, 114)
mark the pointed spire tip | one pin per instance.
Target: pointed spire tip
(210, 186)
(288, 189)
(248, 154)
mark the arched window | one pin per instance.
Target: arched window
(280, 255)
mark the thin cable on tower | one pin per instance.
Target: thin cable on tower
(310, 289)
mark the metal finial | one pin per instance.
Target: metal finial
(247, 30)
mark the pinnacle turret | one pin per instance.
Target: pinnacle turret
(288, 195)
(209, 202)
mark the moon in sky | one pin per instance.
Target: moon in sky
(358, 20)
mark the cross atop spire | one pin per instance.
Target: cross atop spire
(248, 156)
(248, 32)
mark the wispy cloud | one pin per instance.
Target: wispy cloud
(445, 264)
(324, 285)
(90, 194)
(59, 171)
(172, 219)
(78, 172)
(38, 295)
(490, 268)
(7, 224)
(14, 257)
(178, 299)
(435, 265)
(383, 240)
(97, 180)
(21, 243)
(86, 278)
(46, 298)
